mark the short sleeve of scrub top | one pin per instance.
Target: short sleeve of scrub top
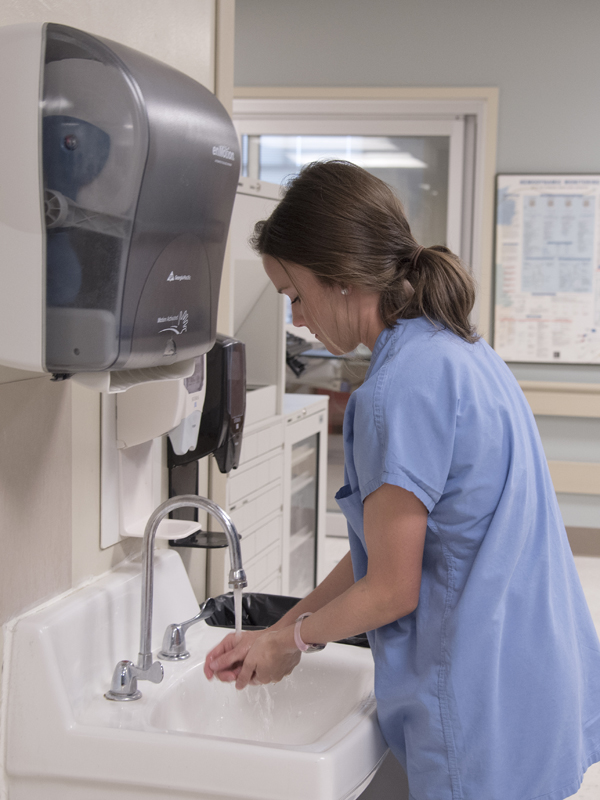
(491, 687)
(418, 456)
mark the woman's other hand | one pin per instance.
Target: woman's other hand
(270, 658)
(255, 658)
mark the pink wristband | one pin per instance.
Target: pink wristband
(297, 638)
(302, 646)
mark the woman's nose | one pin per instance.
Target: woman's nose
(297, 319)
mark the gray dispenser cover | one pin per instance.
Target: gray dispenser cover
(140, 167)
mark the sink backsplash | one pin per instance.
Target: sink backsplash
(83, 635)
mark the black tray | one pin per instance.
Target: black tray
(259, 611)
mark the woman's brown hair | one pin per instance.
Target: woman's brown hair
(349, 228)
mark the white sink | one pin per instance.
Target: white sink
(313, 705)
(314, 736)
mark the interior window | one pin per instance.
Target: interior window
(416, 167)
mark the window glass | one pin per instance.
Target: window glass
(416, 167)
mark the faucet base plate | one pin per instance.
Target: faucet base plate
(173, 656)
(110, 695)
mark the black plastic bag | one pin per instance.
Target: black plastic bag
(260, 611)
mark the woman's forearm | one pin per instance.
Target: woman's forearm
(364, 606)
(336, 583)
(395, 526)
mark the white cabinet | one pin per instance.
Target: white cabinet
(254, 498)
(258, 311)
(253, 494)
(305, 492)
(277, 496)
(255, 501)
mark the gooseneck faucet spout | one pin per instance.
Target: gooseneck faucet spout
(237, 576)
(126, 675)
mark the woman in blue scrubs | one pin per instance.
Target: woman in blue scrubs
(487, 663)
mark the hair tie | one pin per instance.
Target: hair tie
(416, 254)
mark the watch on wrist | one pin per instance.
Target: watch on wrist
(302, 646)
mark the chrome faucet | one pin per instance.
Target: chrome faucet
(127, 674)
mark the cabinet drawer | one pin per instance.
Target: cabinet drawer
(249, 481)
(257, 443)
(262, 567)
(276, 467)
(249, 448)
(270, 438)
(254, 477)
(266, 534)
(252, 510)
(272, 585)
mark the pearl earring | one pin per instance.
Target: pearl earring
(344, 291)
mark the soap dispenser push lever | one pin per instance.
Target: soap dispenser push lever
(127, 674)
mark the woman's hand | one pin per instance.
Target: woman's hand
(270, 658)
(225, 660)
(267, 657)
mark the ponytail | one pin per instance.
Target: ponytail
(434, 284)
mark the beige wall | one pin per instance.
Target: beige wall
(35, 493)
(50, 432)
(181, 34)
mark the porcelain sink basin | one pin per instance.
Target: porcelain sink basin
(312, 705)
(314, 736)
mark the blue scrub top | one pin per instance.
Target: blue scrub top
(490, 689)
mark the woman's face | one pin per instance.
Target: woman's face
(323, 309)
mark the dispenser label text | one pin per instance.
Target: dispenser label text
(173, 277)
(222, 151)
(180, 323)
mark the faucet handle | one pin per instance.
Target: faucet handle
(174, 647)
(154, 673)
(126, 676)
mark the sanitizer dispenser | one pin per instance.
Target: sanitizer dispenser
(118, 180)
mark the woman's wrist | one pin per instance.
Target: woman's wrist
(280, 624)
(285, 639)
(304, 647)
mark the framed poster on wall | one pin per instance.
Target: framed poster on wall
(547, 268)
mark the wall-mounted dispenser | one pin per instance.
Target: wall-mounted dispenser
(133, 456)
(220, 433)
(202, 414)
(224, 407)
(119, 175)
(118, 180)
